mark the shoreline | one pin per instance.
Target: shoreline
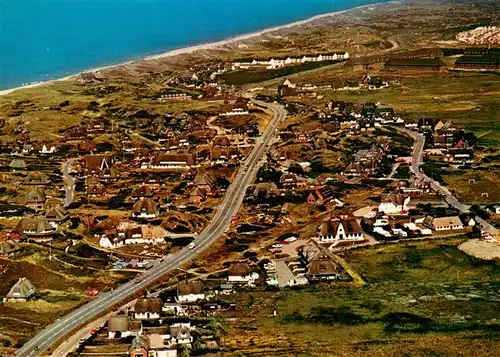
(203, 46)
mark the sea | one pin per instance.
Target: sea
(48, 39)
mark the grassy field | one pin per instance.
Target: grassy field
(60, 289)
(421, 299)
(472, 191)
(468, 99)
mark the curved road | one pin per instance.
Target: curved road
(416, 161)
(222, 219)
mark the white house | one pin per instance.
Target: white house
(338, 228)
(190, 291)
(110, 242)
(180, 334)
(45, 150)
(395, 203)
(240, 273)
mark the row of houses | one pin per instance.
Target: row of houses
(278, 62)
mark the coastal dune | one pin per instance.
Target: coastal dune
(209, 46)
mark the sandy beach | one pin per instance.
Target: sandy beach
(206, 46)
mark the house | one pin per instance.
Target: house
(171, 161)
(153, 234)
(143, 191)
(180, 334)
(120, 326)
(394, 203)
(158, 338)
(145, 208)
(139, 347)
(419, 187)
(221, 141)
(38, 179)
(75, 134)
(146, 234)
(56, 215)
(241, 273)
(496, 209)
(94, 164)
(9, 247)
(93, 187)
(207, 182)
(458, 155)
(110, 241)
(197, 196)
(108, 175)
(288, 181)
(35, 199)
(320, 196)
(190, 291)
(47, 150)
(319, 263)
(32, 228)
(22, 291)
(265, 191)
(18, 164)
(147, 309)
(342, 227)
(443, 223)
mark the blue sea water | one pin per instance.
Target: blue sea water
(47, 39)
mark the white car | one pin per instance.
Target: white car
(277, 246)
(291, 239)
(191, 245)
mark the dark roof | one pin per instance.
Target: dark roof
(421, 62)
(238, 269)
(190, 287)
(144, 305)
(56, 213)
(330, 227)
(144, 205)
(490, 58)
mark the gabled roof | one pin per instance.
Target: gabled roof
(441, 222)
(144, 305)
(35, 196)
(22, 289)
(190, 287)
(56, 213)
(145, 205)
(8, 247)
(398, 199)
(238, 269)
(17, 164)
(331, 226)
(36, 178)
(36, 225)
(142, 191)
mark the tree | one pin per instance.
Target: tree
(183, 351)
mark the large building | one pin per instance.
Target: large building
(415, 65)
(479, 59)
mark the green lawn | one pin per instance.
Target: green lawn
(421, 298)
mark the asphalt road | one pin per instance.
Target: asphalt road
(70, 183)
(416, 161)
(221, 221)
